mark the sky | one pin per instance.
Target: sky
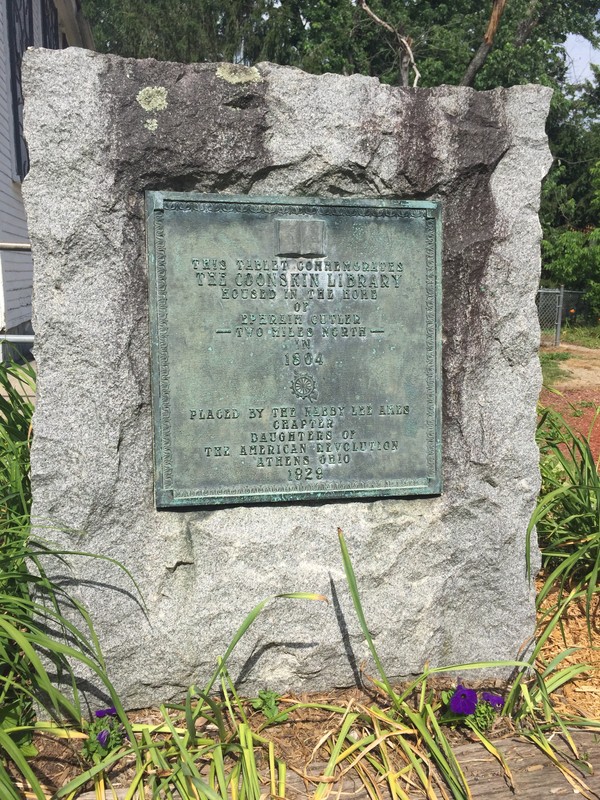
(581, 53)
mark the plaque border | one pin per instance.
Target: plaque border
(166, 494)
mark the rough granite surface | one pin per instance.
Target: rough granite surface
(443, 579)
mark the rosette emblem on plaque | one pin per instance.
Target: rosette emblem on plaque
(304, 387)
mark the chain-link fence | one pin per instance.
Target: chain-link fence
(555, 307)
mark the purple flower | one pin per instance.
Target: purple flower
(106, 712)
(102, 738)
(463, 701)
(493, 699)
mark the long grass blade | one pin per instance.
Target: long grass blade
(346, 723)
(354, 593)
(14, 753)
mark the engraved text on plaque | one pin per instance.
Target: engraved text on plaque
(295, 346)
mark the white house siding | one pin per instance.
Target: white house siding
(37, 23)
(16, 269)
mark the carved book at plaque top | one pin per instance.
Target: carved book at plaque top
(295, 348)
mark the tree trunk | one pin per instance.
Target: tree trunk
(476, 64)
(482, 53)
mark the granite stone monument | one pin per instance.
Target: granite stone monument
(117, 145)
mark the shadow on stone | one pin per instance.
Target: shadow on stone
(257, 654)
(339, 615)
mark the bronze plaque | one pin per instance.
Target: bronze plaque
(295, 348)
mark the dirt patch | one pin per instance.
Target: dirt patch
(577, 396)
(582, 367)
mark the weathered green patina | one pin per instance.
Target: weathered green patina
(295, 348)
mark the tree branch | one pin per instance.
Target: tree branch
(378, 20)
(528, 24)
(407, 59)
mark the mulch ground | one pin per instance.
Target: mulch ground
(579, 404)
(582, 695)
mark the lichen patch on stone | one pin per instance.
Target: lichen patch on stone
(151, 123)
(152, 98)
(237, 73)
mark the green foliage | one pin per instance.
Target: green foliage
(39, 642)
(174, 30)
(267, 703)
(572, 257)
(583, 335)
(574, 131)
(567, 516)
(338, 36)
(484, 716)
(17, 387)
(203, 748)
(38, 646)
(570, 209)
